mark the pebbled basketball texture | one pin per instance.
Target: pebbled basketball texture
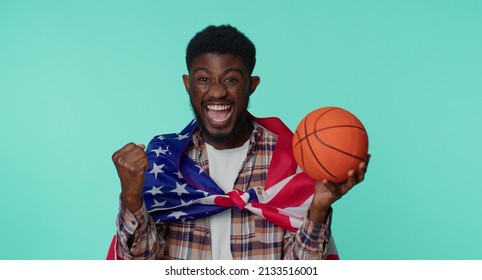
(328, 142)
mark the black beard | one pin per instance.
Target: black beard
(225, 138)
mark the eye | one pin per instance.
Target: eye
(231, 80)
(203, 80)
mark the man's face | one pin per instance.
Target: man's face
(219, 87)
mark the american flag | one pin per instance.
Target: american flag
(177, 189)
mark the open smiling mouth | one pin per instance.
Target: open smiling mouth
(219, 113)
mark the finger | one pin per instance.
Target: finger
(350, 182)
(131, 156)
(131, 146)
(326, 184)
(139, 166)
(142, 166)
(143, 163)
(127, 147)
(121, 151)
(368, 160)
(136, 161)
(137, 152)
(361, 172)
(139, 157)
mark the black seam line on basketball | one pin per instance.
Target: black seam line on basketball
(336, 149)
(313, 152)
(301, 150)
(332, 127)
(316, 121)
(306, 120)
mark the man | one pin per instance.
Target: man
(234, 152)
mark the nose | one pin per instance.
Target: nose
(217, 90)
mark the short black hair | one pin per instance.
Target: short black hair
(222, 39)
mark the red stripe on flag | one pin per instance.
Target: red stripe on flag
(271, 214)
(283, 163)
(223, 201)
(294, 193)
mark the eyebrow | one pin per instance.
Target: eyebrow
(240, 71)
(232, 69)
(200, 68)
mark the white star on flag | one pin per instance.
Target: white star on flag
(183, 203)
(177, 214)
(178, 173)
(155, 190)
(201, 170)
(159, 151)
(204, 193)
(160, 137)
(180, 189)
(182, 136)
(158, 204)
(156, 169)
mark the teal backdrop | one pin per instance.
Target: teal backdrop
(79, 79)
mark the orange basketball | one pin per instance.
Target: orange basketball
(329, 142)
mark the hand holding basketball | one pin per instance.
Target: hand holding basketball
(331, 145)
(326, 193)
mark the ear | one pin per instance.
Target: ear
(185, 80)
(253, 83)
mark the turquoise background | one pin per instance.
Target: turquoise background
(79, 79)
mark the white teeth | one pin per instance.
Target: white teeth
(218, 107)
(220, 121)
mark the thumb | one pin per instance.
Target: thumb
(142, 146)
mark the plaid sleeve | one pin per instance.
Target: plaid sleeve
(137, 235)
(310, 242)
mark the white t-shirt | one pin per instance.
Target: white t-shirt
(224, 166)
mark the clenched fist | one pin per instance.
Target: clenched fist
(131, 163)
